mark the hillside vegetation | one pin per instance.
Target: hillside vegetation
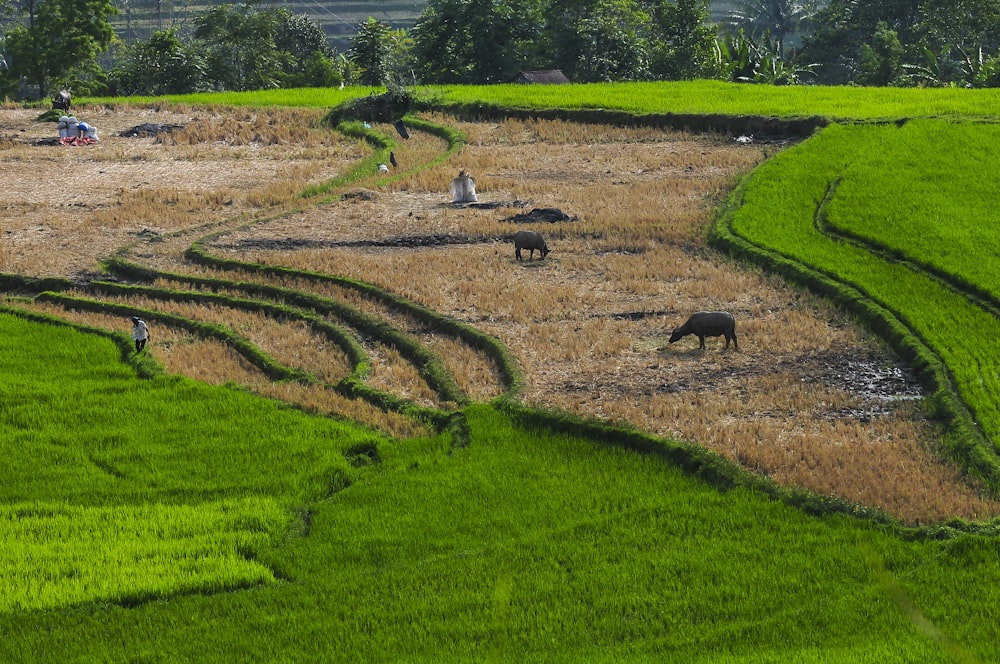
(339, 18)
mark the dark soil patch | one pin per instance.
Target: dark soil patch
(541, 215)
(148, 129)
(486, 205)
(867, 378)
(403, 242)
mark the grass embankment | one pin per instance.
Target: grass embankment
(943, 333)
(677, 97)
(701, 98)
(523, 545)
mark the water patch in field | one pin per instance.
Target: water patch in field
(864, 377)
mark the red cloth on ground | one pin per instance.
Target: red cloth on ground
(76, 140)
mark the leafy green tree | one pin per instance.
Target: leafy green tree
(375, 49)
(299, 35)
(844, 27)
(881, 61)
(963, 25)
(598, 40)
(958, 38)
(316, 71)
(161, 65)
(240, 49)
(683, 43)
(482, 41)
(475, 41)
(308, 60)
(776, 18)
(86, 79)
(51, 37)
(249, 49)
(940, 42)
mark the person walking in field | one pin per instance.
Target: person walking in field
(140, 333)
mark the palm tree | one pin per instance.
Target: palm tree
(777, 18)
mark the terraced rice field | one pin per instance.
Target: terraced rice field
(385, 303)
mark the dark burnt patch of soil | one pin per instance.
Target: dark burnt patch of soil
(400, 242)
(541, 215)
(637, 315)
(486, 205)
(149, 129)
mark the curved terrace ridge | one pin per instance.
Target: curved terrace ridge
(879, 290)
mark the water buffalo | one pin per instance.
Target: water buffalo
(708, 324)
(530, 240)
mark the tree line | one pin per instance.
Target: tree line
(51, 44)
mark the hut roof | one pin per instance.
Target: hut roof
(548, 76)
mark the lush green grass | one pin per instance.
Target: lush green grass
(532, 546)
(716, 97)
(56, 555)
(685, 97)
(159, 520)
(929, 197)
(171, 484)
(290, 97)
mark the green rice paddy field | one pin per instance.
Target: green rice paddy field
(158, 519)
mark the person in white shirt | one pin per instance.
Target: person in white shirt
(140, 333)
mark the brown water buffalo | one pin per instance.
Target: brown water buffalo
(530, 240)
(708, 324)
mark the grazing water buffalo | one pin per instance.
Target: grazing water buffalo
(708, 324)
(529, 240)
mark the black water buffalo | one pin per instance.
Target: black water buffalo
(708, 324)
(529, 240)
